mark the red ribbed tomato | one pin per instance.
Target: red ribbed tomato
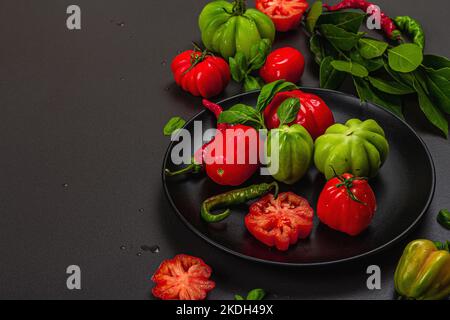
(201, 74)
(347, 204)
(280, 222)
(314, 114)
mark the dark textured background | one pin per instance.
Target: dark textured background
(86, 108)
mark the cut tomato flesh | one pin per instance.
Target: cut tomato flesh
(286, 8)
(182, 278)
(280, 222)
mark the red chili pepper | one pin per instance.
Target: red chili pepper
(387, 25)
(223, 169)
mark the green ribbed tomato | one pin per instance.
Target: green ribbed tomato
(295, 153)
(358, 147)
(228, 28)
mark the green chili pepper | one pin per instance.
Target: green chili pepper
(444, 218)
(412, 28)
(234, 197)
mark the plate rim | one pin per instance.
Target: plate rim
(312, 264)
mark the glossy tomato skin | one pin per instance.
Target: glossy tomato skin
(285, 14)
(314, 113)
(280, 222)
(283, 64)
(182, 278)
(207, 78)
(226, 169)
(339, 211)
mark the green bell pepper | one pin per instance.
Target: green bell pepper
(358, 147)
(228, 28)
(295, 152)
(423, 272)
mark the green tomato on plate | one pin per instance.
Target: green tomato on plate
(358, 147)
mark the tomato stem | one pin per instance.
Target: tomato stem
(239, 7)
(192, 168)
(347, 183)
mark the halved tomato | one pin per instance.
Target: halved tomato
(280, 222)
(285, 14)
(182, 278)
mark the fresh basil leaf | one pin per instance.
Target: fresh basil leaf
(371, 48)
(339, 37)
(349, 21)
(366, 93)
(433, 114)
(315, 46)
(353, 68)
(371, 65)
(259, 53)
(270, 90)
(288, 110)
(238, 297)
(391, 87)
(252, 83)
(444, 73)
(444, 220)
(442, 245)
(439, 88)
(314, 14)
(173, 125)
(241, 114)
(330, 78)
(256, 294)
(403, 78)
(236, 72)
(435, 62)
(405, 57)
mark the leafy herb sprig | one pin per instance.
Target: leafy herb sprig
(381, 73)
(255, 294)
(242, 69)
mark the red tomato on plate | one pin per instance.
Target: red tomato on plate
(283, 64)
(314, 113)
(285, 14)
(201, 75)
(182, 278)
(347, 204)
(280, 222)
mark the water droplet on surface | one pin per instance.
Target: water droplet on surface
(152, 249)
(65, 185)
(139, 254)
(164, 63)
(121, 24)
(123, 248)
(122, 78)
(141, 210)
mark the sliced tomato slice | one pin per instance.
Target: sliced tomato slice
(182, 278)
(280, 222)
(285, 14)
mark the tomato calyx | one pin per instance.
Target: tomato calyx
(347, 183)
(199, 55)
(239, 7)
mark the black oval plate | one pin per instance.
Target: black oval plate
(404, 190)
